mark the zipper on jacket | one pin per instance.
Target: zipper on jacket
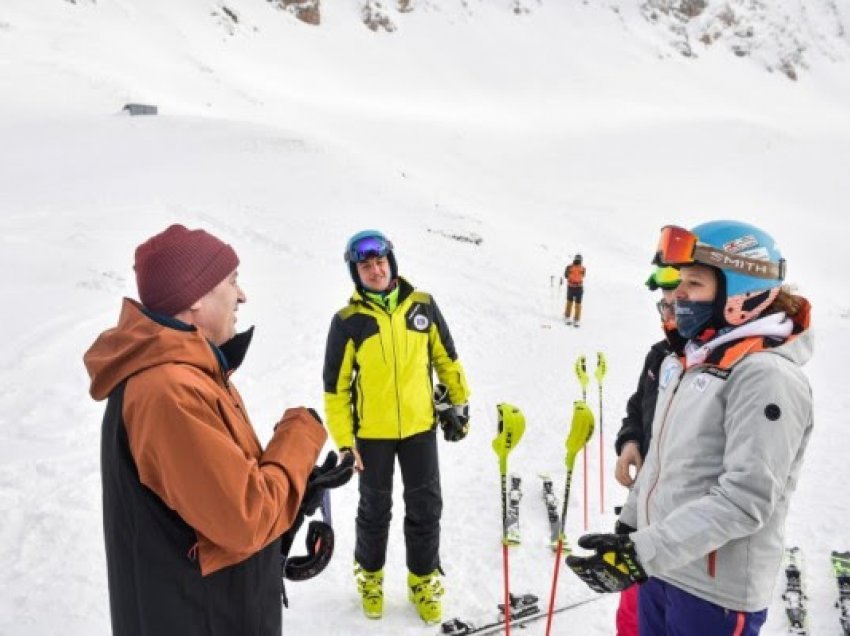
(395, 367)
(658, 444)
(712, 563)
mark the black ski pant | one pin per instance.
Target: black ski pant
(423, 503)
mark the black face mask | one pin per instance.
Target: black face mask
(692, 316)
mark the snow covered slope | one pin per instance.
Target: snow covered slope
(562, 130)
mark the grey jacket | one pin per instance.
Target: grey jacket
(729, 435)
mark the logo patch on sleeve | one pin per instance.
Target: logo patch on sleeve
(417, 318)
(772, 412)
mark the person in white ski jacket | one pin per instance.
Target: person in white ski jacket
(703, 527)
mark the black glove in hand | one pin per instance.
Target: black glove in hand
(320, 535)
(613, 568)
(623, 528)
(331, 474)
(453, 418)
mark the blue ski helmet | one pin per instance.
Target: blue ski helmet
(744, 295)
(366, 244)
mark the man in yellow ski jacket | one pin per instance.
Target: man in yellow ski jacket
(381, 352)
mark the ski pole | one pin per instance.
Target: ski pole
(511, 428)
(601, 369)
(583, 380)
(581, 429)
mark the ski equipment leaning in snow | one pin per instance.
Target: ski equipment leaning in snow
(550, 500)
(511, 427)
(583, 380)
(380, 407)
(581, 429)
(458, 627)
(733, 421)
(794, 596)
(601, 370)
(512, 531)
(180, 458)
(841, 569)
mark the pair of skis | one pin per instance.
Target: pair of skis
(550, 501)
(524, 611)
(795, 597)
(841, 569)
(584, 380)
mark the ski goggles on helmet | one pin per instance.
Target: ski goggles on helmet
(679, 247)
(368, 247)
(663, 278)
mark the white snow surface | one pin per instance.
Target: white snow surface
(563, 130)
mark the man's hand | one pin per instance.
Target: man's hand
(331, 474)
(629, 456)
(453, 418)
(613, 568)
(358, 461)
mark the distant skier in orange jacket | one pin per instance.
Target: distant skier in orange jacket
(574, 275)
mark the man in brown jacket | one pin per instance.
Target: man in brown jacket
(193, 505)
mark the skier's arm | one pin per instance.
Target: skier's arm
(337, 374)
(631, 429)
(759, 463)
(185, 453)
(445, 360)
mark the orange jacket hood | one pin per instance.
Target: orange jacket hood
(137, 343)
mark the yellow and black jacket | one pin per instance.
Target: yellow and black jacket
(378, 367)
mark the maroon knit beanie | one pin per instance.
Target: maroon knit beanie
(178, 266)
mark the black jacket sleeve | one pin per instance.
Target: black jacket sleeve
(640, 409)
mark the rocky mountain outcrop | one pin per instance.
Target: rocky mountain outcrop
(780, 34)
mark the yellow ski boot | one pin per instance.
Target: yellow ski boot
(425, 593)
(370, 586)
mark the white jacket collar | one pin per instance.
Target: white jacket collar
(775, 325)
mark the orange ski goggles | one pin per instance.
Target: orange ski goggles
(676, 246)
(679, 247)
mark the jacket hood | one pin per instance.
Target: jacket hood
(137, 343)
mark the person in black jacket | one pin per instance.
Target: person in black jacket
(636, 431)
(634, 435)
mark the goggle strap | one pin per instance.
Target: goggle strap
(737, 263)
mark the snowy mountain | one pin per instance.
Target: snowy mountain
(781, 35)
(490, 146)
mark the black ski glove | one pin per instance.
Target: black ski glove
(453, 418)
(623, 528)
(613, 568)
(331, 474)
